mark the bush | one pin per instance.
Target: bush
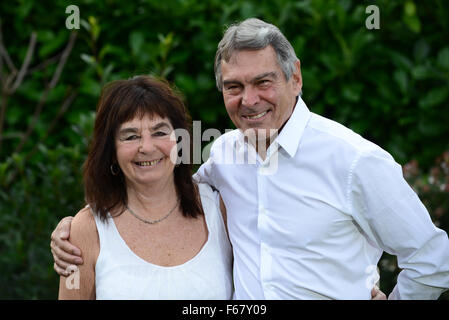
(390, 85)
(43, 192)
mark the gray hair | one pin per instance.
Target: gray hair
(254, 34)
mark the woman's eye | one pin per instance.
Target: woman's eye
(132, 137)
(160, 134)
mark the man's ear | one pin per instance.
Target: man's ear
(297, 78)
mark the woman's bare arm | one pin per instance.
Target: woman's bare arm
(80, 284)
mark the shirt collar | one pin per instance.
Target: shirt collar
(293, 130)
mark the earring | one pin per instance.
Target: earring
(114, 169)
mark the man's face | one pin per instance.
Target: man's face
(255, 92)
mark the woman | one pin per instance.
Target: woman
(148, 232)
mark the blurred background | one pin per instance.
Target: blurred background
(390, 84)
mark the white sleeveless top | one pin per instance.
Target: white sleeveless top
(121, 274)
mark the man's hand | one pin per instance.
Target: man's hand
(64, 253)
(376, 294)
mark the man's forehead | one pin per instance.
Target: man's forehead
(246, 63)
(246, 55)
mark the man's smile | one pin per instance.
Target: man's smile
(256, 116)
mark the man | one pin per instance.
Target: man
(314, 205)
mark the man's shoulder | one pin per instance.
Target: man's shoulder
(227, 139)
(335, 133)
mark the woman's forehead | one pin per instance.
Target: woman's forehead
(145, 120)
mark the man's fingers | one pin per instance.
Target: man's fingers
(59, 264)
(376, 294)
(62, 230)
(64, 253)
(60, 271)
(60, 236)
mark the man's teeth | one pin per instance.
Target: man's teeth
(260, 115)
(148, 163)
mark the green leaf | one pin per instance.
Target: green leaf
(410, 8)
(421, 72)
(429, 128)
(352, 92)
(52, 44)
(136, 40)
(90, 60)
(443, 58)
(413, 23)
(400, 77)
(421, 50)
(434, 97)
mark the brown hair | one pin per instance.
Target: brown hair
(121, 101)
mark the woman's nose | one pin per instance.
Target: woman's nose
(146, 144)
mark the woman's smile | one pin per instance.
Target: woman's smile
(151, 163)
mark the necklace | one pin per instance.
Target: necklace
(153, 221)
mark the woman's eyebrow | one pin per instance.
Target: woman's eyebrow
(128, 130)
(160, 125)
(157, 126)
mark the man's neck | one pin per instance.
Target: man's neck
(262, 146)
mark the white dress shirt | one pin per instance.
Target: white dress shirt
(311, 220)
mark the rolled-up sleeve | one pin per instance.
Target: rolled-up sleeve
(393, 217)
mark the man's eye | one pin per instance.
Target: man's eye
(232, 88)
(264, 83)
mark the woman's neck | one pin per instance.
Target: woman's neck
(151, 201)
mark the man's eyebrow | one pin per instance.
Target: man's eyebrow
(227, 82)
(271, 74)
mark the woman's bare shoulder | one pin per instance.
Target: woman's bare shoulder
(84, 222)
(83, 231)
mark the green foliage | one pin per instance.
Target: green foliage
(44, 191)
(391, 85)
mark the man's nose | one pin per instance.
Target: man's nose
(250, 96)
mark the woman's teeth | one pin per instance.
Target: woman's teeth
(257, 116)
(148, 163)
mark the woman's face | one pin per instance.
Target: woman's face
(143, 150)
